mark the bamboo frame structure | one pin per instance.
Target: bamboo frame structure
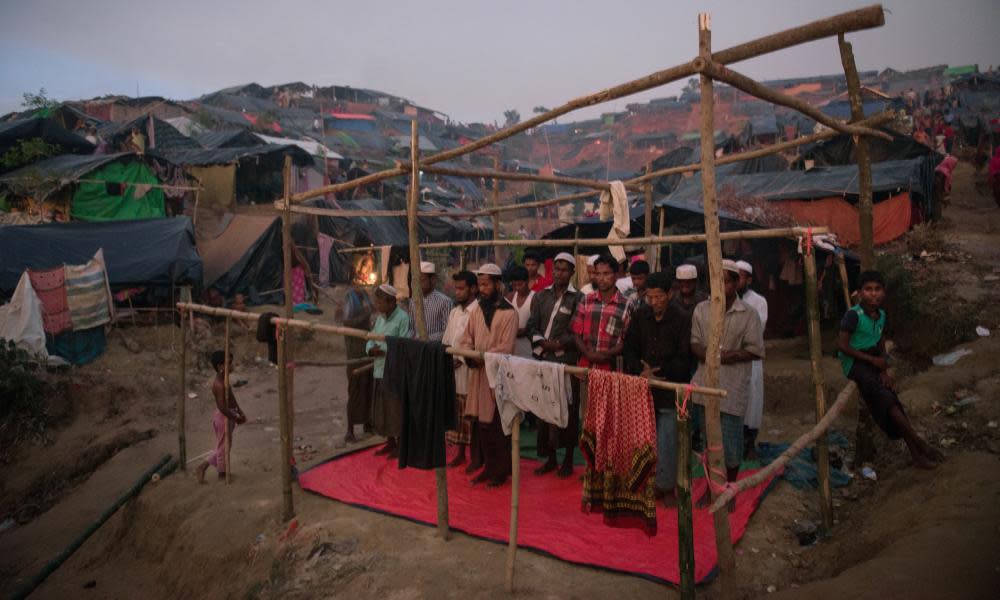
(515, 499)
(182, 401)
(285, 390)
(225, 394)
(685, 512)
(815, 356)
(864, 158)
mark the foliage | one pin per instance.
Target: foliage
(39, 100)
(540, 110)
(23, 392)
(26, 152)
(511, 117)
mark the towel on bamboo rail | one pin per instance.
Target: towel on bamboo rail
(87, 293)
(521, 384)
(619, 444)
(422, 375)
(50, 287)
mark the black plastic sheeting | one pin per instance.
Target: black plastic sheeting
(690, 155)
(48, 130)
(151, 252)
(259, 270)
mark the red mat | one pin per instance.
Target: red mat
(551, 521)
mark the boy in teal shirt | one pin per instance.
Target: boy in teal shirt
(864, 360)
(387, 409)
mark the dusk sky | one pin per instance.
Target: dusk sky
(470, 60)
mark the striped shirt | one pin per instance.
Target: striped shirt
(437, 309)
(601, 324)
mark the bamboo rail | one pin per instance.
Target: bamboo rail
(815, 356)
(863, 156)
(516, 176)
(225, 394)
(285, 375)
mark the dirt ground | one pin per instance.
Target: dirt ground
(911, 534)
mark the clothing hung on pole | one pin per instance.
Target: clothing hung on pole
(50, 287)
(87, 294)
(420, 374)
(522, 384)
(619, 444)
(614, 206)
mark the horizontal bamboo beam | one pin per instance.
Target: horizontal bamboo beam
(514, 176)
(739, 81)
(663, 240)
(334, 188)
(807, 439)
(873, 121)
(367, 335)
(868, 17)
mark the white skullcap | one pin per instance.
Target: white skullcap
(686, 272)
(428, 267)
(489, 269)
(593, 259)
(730, 265)
(566, 256)
(387, 289)
(743, 265)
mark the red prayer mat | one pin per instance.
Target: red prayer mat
(550, 522)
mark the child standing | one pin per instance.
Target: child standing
(227, 415)
(864, 360)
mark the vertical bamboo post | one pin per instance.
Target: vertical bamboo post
(670, 248)
(284, 376)
(515, 498)
(685, 513)
(495, 215)
(647, 188)
(417, 299)
(182, 402)
(815, 356)
(842, 268)
(287, 248)
(867, 249)
(713, 358)
(225, 395)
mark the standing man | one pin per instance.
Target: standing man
(552, 311)
(591, 284)
(520, 298)
(742, 343)
(466, 291)
(358, 311)
(688, 295)
(387, 409)
(437, 306)
(755, 408)
(601, 319)
(492, 328)
(658, 344)
(536, 281)
(623, 282)
(639, 272)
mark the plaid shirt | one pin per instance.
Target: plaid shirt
(601, 324)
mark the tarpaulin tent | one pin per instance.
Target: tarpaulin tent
(152, 253)
(47, 130)
(120, 192)
(245, 259)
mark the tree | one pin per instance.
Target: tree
(512, 117)
(693, 86)
(539, 110)
(39, 100)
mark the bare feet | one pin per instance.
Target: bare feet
(566, 470)
(496, 482)
(388, 448)
(480, 478)
(200, 472)
(458, 460)
(932, 453)
(669, 499)
(473, 467)
(349, 436)
(704, 501)
(549, 466)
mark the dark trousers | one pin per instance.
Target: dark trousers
(552, 437)
(496, 449)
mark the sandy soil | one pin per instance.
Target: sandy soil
(911, 534)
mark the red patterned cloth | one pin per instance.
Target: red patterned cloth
(50, 287)
(619, 444)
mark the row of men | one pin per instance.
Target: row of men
(657, 327)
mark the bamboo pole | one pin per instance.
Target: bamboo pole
(194, 214)
(515, 498)
(647, 189)
(182, 401)
(337, 363)
(661, 225)
(496, 173)
(842, 269)
(804, 440)
(368, 335)
(284, 356)
(685, 512)
(225, 394)
(744, 83)
(815, 356)
(863, 155)
(713, 424)
(495, 213)
(417, 298)
(687, 238)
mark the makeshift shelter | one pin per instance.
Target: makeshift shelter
(149, 253)
(109, 187)
(44, 129)
(159, 135)
(245, 259)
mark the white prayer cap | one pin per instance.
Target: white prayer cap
(388, 290)
(489, 269)
(686, 272)
(428, 267)
(743, 265)
(730, 265)
(566, 256)
(593, 259)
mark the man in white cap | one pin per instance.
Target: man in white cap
(688, 295)
(552, 311)
(492, 328)
(466, 292)
(755, 409)
(437, 306)
(387, 409)
(589, 288)
(742, 343)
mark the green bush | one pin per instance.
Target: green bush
(23, 395)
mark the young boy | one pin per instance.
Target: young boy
(864, 360)
(227, 414)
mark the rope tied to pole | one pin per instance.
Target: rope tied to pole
(716, 489)
(682, 410)
(809, 241)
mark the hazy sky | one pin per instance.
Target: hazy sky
(469, 59)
